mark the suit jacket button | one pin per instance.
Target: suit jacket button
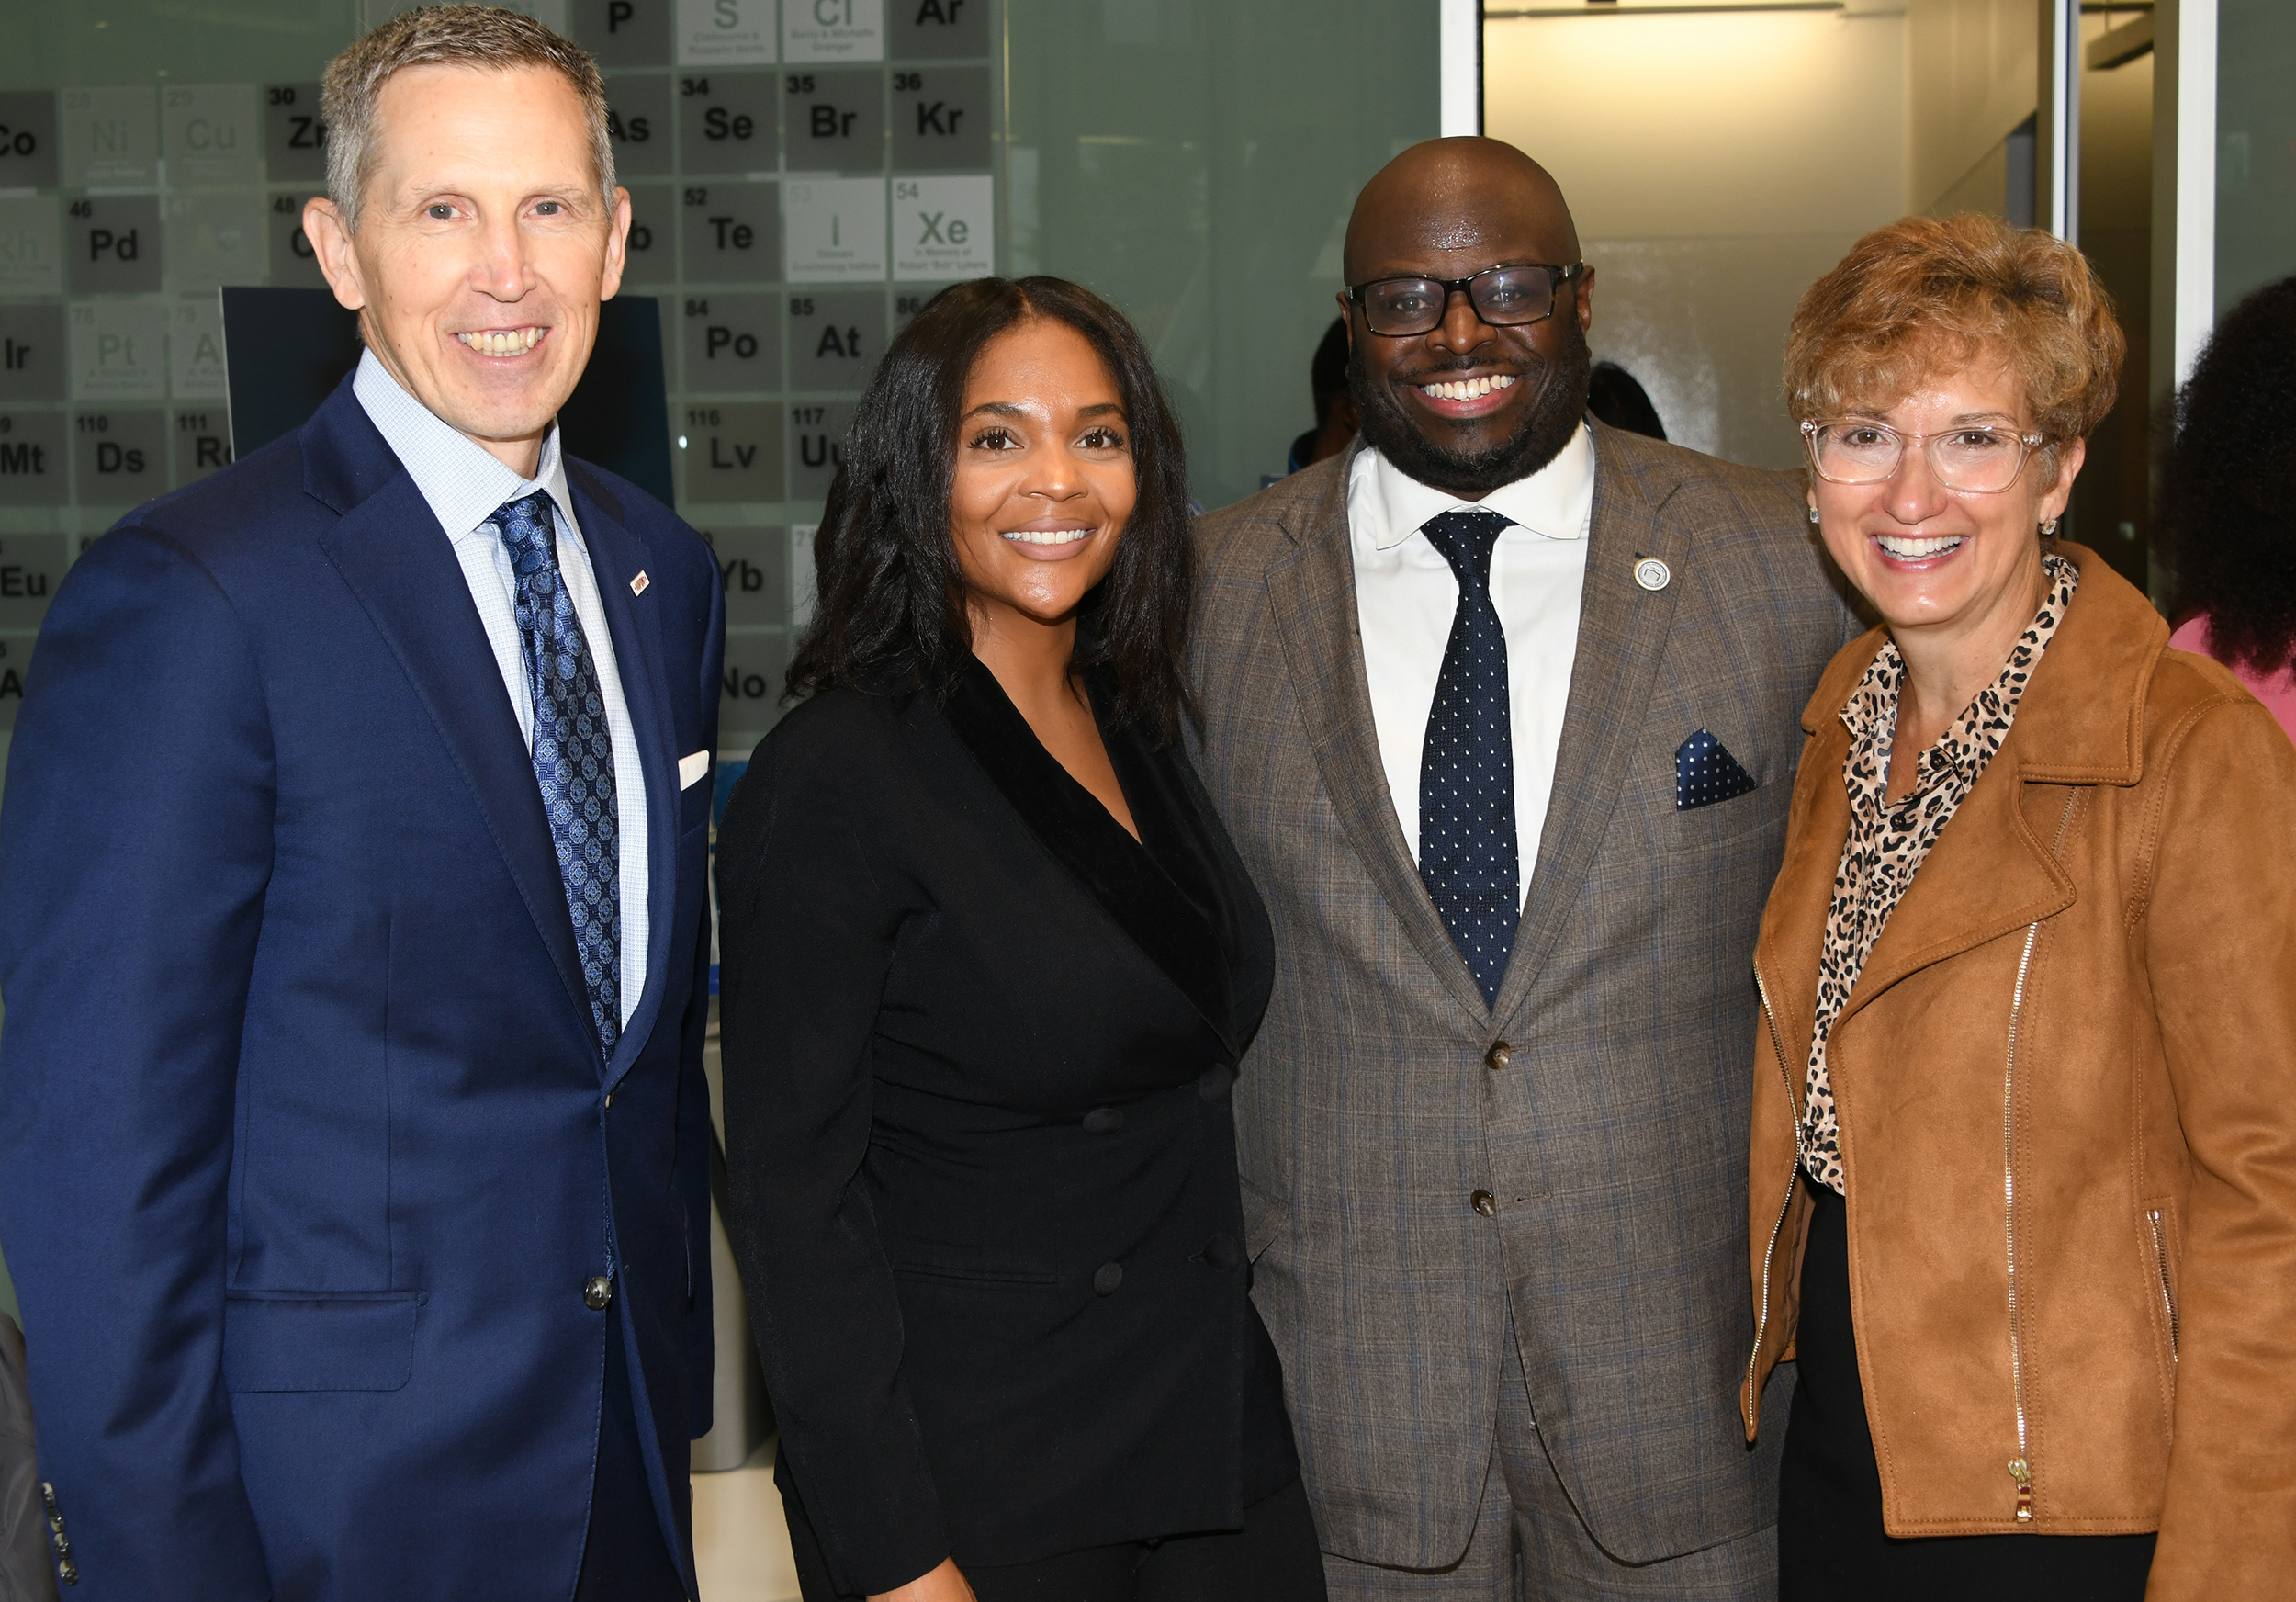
(1106, 1278)
(1103, 1121)
(1214, 1083)
(1221, 1251)
(1498, 1056)
(1484, 1203)
(600, 1292)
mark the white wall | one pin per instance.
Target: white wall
(1973, 73)
(1715, 167)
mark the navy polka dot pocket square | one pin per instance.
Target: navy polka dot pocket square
(1705, 772)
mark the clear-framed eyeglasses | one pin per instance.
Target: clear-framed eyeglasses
(1503, 297)
(1979, 460)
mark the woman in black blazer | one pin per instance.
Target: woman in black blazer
(989, 963)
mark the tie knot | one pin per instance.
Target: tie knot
(1467, 537)
(525, 527)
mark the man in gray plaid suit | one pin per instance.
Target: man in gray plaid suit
(1503, 709)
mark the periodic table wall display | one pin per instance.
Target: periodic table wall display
(803, 175)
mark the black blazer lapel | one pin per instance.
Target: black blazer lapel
(1116, 870)
(397, 559)
(615, 557)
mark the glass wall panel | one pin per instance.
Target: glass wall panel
(1195, 162)
(2256, 147)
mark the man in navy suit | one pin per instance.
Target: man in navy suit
(354, 932)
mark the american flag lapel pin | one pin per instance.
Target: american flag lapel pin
(637, 585)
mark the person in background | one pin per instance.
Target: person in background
(355, 929)
(2024, 1154)
(1335, 408)
(1500, 707)
(1615, 396)
(989, 964)
(2227, 480)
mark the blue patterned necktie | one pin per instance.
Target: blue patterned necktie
(573, 755)
(1467, 850)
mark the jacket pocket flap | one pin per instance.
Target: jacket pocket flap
(364, 1342)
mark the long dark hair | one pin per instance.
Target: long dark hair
(891, 615)
(2226, 522)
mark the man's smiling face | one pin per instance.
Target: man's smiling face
(483, 248)
(1467, 406)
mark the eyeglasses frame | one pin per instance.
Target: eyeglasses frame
(2027, 445)
(1562, 275)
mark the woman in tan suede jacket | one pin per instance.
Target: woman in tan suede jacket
(2023, 1166)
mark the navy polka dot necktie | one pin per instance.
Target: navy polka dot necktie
(1467, 848)
(573, 755)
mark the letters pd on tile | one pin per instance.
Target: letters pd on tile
(833, 30)
(725, 33)
(112, 244)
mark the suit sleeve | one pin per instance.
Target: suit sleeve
(695, 1135)
(134, 852)
(807, 937)
(2220, 950)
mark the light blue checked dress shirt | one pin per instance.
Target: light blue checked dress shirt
(464, 485)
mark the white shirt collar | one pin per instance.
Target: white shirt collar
(463, 483)
(1557, 501)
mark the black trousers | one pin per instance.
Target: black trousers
(1274, 1558)
(624, 1558)
(1830, 1545)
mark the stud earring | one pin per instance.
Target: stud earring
(1813, 514)
(2049, 528)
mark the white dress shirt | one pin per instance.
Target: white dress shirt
(465, 486)
(1406, 597)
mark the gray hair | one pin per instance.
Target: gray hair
(457, 36)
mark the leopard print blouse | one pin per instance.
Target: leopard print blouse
(1887, 843)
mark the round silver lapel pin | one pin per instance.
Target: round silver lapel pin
(1653, 574)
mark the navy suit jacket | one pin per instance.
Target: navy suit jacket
(306, 1150)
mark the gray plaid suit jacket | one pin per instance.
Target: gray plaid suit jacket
(1615, 1138)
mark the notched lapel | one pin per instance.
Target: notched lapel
(397, 559)
(1311, 595)
(635, 621)
(1970, 889)
(1623, 629)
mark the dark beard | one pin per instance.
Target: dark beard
(1546, 427)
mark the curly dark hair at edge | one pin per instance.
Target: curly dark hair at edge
(2226, 522)
(892, 617)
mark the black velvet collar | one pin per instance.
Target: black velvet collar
(1169, 890)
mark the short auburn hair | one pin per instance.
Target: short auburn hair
(1928, 295)
(483, 37)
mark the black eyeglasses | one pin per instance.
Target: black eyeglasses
(1503, 297)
